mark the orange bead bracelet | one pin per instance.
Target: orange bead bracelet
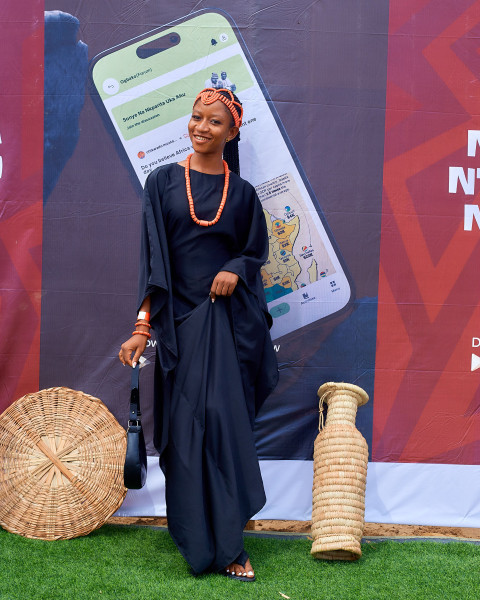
(143, 323)
(149, 335)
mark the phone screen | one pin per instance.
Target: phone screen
(147, 87)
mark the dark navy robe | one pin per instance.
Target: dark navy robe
(215, 361)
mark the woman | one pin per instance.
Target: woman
(204, 240)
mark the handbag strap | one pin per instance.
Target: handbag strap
(135, 413)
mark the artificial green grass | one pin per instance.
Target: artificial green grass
(116, 563)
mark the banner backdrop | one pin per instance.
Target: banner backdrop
(428, 318)
(21, 159)
(377, 291)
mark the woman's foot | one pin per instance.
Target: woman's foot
(241, 568)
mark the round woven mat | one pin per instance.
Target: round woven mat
(61, 464)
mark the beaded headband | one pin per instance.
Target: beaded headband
(211, 95)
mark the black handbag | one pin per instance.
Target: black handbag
(135, 470)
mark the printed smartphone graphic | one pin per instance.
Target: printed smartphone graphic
(147, 87)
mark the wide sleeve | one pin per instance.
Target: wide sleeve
(253, 342)
(154, 272)
(254, 251)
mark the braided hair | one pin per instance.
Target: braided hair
(230, 152)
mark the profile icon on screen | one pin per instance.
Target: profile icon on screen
(213, 82)
(226, 83)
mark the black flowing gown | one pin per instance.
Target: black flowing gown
(215, 361)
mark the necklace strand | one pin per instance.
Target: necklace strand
(201, 222)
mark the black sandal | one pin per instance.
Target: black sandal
(242, 561)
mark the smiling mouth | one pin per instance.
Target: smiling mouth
(200, 138)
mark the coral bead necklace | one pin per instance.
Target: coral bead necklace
(190, 198)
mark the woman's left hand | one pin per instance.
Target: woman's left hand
(223, 284)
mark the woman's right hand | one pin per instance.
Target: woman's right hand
(135, 345)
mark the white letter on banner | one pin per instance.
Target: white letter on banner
(473, 140)
(457, 174)
(475, 342)
(471, 211)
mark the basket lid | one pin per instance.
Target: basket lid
(62, 455)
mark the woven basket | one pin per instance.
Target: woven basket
(61, 465)
(340, 473)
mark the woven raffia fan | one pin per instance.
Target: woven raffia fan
(61, 464)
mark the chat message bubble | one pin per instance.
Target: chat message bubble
(163, 105)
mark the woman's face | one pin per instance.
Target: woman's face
(209, 126)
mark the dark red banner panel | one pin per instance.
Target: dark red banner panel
(21, 164)
(427, 401)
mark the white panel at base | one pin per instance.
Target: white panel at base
(288, 486)
(404, 493)
(423, 494)
(285, 500)
(150, 500)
